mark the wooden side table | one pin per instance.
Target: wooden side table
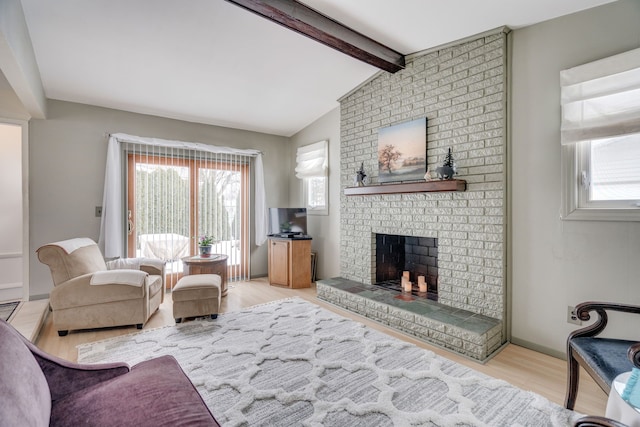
(214, 264)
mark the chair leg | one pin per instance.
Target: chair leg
(573, 377)
(214, 316)
(63, 333)
(139, 325)
(179, 319)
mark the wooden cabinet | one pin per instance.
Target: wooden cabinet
(290, 262)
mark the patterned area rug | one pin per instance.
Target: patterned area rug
(7, 309)
(291, 362)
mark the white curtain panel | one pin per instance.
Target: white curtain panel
(601, 99)
(113, 224)
(312, 160)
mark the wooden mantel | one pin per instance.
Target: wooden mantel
(410, 187)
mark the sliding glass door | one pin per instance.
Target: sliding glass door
(172, 200)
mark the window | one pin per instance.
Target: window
(174, 197)
(311, 166)
(600, 136)
(316, 194)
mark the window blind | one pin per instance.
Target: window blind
(312, 160)
(177, 195)
(601, 99)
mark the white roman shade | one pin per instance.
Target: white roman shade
(601, 99)
(312, 160)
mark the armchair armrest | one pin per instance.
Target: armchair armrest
(582, 312)
(65, 377)
(151, 266)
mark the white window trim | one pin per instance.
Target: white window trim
(575, 158)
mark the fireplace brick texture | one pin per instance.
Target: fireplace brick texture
(461, 89)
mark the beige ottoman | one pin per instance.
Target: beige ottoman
(196, 295)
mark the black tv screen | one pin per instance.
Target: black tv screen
(287, 220)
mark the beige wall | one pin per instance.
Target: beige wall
(67, 164)
(559, 263)
(325, 229)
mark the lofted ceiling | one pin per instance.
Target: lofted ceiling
(209, 61)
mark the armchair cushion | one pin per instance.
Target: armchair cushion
(606, 356)
(78, 292)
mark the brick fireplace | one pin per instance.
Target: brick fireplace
(461, 89)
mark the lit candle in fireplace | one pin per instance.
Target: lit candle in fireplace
(405, 275)
(407, 286)
(422, 284)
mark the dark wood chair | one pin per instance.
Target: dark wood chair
(602, 358)
(591, 421)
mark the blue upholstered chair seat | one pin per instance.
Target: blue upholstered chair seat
(606, 356)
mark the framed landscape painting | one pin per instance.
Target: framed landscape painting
(402, 151)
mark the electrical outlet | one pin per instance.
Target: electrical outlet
(98, 211)
(571, 316)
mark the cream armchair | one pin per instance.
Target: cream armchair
(90, 293)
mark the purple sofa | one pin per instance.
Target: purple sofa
(37, 389)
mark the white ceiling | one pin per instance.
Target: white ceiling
(209, 61)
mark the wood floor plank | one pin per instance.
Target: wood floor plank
(519, 366)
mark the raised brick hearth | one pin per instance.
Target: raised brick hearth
(470, 334)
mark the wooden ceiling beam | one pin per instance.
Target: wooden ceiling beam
(304, 20)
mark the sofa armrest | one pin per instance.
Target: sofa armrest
(64, 377)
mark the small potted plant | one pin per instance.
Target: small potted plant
(204, 245)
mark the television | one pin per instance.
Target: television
(287, 221)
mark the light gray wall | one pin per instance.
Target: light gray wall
(67, 165)
(17, 59)
(325, 229)
(10, 105)
(559, 263)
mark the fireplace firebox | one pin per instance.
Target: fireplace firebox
(416, 257)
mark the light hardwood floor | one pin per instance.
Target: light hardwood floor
(521, 367)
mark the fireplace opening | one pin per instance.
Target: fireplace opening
(414, 258)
